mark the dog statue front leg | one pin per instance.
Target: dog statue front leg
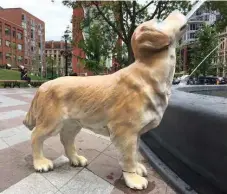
(127, 146)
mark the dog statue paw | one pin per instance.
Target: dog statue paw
(78, 161)
(135, 181)
(43, 165)
(141, 170)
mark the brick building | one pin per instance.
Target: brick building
(53, 50)
(33, 36)
(11, 43)
(221, 61)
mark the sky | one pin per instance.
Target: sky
(55, 15)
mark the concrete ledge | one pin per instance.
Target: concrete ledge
(192, 139)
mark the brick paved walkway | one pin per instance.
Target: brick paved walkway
(17, 176)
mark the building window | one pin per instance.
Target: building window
(19, 36)
(26, 61)
(8, 55)
(192, 35)
(19, 47)
(20, 59)
(32, 48)
(0, 55)
(14, 34)
(23, 17)
(7, 31)
(7, 43)
(32, 34)
(206, 17)
(13, 45)
(0, 42)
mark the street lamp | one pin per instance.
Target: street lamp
(66, 36)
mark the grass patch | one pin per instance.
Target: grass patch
(6, 74)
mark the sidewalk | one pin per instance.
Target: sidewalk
(17, 176)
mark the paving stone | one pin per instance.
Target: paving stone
(62, 173)
(16, 164)
(55, 143)
(89, 154)
(7, 102)
(85, 182)
(12, 114)
(13, 170)
(33, 184)
(11, 123)
(24, 107)
(88, 141)
(120, 187)
(59, 192)
(159, 185)
(25, 149)
(117, 191)
(169, 190)
(3, 144)
(106, 167)
(27, 95)
(111, 151)
(15, 135)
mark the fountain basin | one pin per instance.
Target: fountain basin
(191, 141)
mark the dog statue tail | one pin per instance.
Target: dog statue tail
(30, 121)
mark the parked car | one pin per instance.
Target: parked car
(208, 80)
(176, 81)
(222, 80)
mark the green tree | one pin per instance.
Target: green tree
(95, 48)
(221, 7)
(206, 41)
(124, 16)
(50, 61)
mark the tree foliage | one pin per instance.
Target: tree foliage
(206, 42)
(95, 47)
(122, 17)
(221, 7)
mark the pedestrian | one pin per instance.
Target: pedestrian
(24, 75)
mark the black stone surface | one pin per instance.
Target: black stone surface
(192, 138)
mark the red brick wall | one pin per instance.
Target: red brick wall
(12, 38)
(15, 15)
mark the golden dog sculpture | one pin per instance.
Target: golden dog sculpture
(123, 105)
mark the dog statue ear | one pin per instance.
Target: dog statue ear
(151, 39)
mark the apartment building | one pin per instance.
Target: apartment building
(200, 17)
(221, 62)
(33, 36)
(53, 53)
(11, 44)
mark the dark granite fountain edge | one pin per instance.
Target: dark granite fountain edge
(183, 99)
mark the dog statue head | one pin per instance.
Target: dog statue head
(153, 36)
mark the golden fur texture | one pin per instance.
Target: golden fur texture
(123, 105)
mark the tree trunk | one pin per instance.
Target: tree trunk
(131, 58)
